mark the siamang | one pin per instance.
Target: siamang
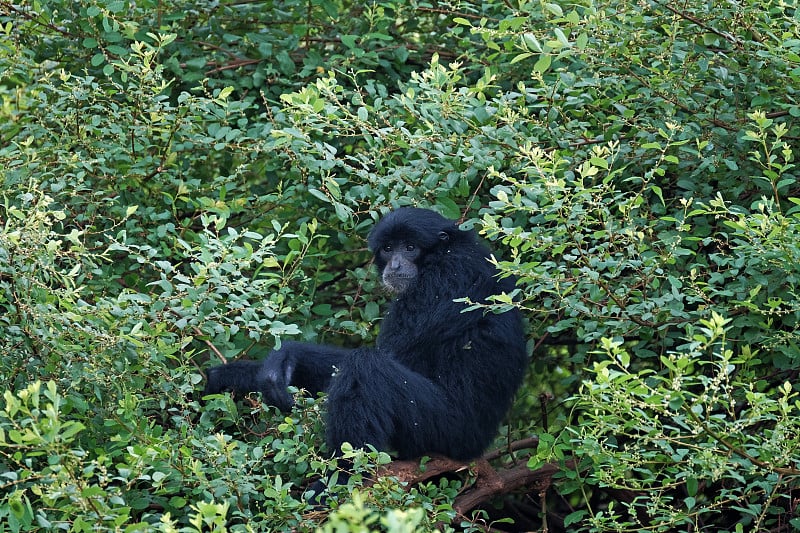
(441, 377)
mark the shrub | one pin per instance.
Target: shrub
(185, 183)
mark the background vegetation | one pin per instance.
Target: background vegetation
(183, 183)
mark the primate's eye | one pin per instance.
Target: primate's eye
(410, 247)
(387, 248)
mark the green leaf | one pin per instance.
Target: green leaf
(532, 43)
(542, 64)
(349, 40)
(521, 57)
(582, 40)
(554, 9)
(562, 38)
(116, 7)
(691, 486)
(575, 517)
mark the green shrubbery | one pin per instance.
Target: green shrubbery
(183, 183)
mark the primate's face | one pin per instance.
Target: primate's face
(399, 262)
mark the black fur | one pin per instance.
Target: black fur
(439, 380)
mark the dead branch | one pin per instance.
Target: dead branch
(489, 482)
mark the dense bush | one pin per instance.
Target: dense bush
(184, 183)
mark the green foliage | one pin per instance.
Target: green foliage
(183, 183)
(700, 439)
(355, 516)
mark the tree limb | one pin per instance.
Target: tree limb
(489, 482)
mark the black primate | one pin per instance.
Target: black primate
(439, 379)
